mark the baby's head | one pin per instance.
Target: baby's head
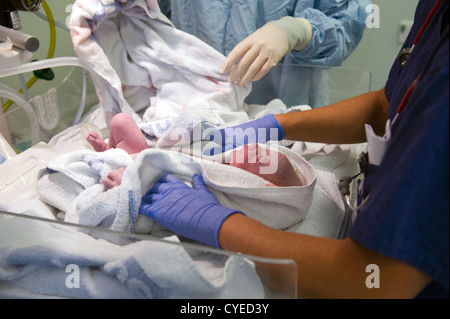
(269, 164)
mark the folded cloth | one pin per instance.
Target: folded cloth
(72, 184)
(143, 66)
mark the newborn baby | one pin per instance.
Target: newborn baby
(273, 166)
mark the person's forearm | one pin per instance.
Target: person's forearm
(326, 268)
(340, 123)
(242, 234)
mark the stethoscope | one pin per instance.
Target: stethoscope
(404, 54)
(344, 182)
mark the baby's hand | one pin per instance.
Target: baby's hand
(114, 178)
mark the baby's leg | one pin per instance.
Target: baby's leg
(126, 135)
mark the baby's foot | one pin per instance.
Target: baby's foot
(97, 142)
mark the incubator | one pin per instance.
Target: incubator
(45, 254)
(93, 262)
(28, 125)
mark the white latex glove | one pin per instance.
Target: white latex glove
(255, 56)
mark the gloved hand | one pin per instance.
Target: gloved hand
(190, 212)
(256, 131)
(264, 48)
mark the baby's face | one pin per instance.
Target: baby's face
(271, 165)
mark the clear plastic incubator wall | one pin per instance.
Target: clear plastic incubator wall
(50, 244)
(42, 256)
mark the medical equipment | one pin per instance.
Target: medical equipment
(15, 47)
(122, 261)
(348, 191)
(376, 148)
(15, 56)
(19, 40)
(9, 16)
(368, 161)
(406, 52)
(46, 111)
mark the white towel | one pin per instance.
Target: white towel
(85, 200)
(143, 66)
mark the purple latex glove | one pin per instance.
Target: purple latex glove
(189, 212)
(256, 131)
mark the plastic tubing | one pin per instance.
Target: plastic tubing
(17, 98)
(55, 62)
(51, 25)
(77, 118)
(57, 23)
(42, 64)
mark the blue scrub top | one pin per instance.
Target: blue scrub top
(407, 214)
(338, 27)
